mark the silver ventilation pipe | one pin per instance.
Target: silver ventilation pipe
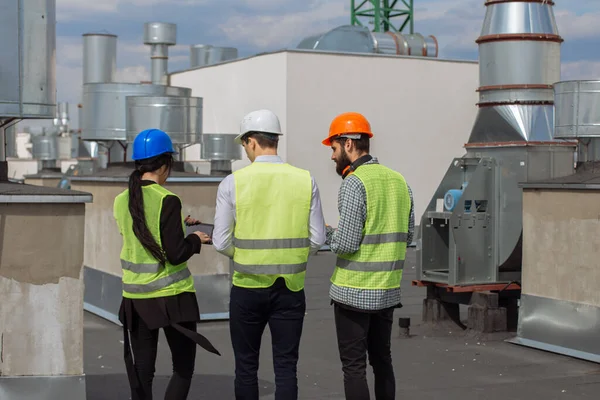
(359, 39)
(61, 120)
(204, 54)
(159, 35)
(519, 61)
(577, 117)
(99, 58)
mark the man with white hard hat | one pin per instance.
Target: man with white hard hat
(268, 220)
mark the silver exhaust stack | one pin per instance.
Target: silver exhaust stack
(519, 61)
(159, 35)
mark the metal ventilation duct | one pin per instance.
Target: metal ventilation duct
(180, 117)
(27, 57)
(44, 147)
(99, 57)
(159, 35)
(104, 114)
(61, 120)
(221, 150)
(519, 61)
(359, 39)
(577, 117)
(204, 54)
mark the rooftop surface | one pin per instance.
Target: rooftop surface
(442, 363)
(20, 193)
(587, 176)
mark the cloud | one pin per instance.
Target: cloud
(267, 30)
(580, 70)
(577, 26)
(67, 10)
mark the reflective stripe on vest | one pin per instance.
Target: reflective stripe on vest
(159, 283)
(271, 243)
(273, 269)
(380, 238)
(271, 233)
(151, 268)
(372, 266)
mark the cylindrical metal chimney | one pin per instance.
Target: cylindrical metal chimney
(519, 52)
(99, 57)
(519, 61)
(159, 35)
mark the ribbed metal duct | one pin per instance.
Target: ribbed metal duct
(359, 39)
(180, 117)
(44, 147)
(519, 61)
(577, 116)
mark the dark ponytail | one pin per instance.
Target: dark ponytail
(136, 203)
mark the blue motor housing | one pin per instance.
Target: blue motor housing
(451, 198)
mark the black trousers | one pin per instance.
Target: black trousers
(359, 333)
(250, 311)
(144, 343)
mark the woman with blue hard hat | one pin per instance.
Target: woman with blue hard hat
(158, 288)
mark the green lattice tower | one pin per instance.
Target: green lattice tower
(386, 15)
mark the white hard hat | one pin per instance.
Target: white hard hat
(259, 121)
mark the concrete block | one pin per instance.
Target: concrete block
(485, 299)
(434, 310)
(486, 320)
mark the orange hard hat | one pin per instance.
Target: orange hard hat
(347, 124)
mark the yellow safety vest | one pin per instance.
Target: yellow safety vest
(143, 276)
(379, 261)
(271, 234)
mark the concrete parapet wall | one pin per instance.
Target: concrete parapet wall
(560, 245)
(41, 289)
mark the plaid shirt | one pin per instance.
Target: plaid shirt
(352, 206)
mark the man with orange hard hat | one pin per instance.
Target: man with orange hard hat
(376, 224)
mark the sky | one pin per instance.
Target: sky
(255, 26)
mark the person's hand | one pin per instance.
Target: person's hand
(204, 238)
(191, 221)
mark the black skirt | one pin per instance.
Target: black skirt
(160, 311)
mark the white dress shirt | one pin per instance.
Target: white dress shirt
(225, 214)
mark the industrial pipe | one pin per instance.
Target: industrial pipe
(159, 35)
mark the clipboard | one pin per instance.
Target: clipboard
(206, 228)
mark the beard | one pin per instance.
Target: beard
(342, 163)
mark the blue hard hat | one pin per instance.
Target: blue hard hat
(151, 143)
